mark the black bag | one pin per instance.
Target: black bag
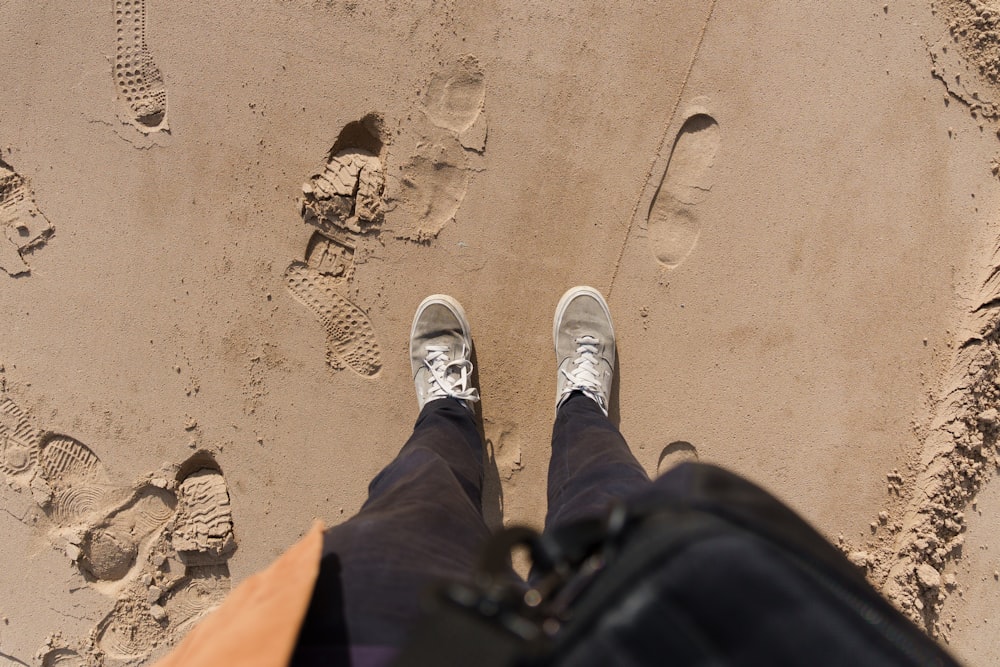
(719, 574)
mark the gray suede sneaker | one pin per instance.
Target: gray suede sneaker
(440, 347)
(585, 346)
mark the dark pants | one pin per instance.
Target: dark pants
(423, 523)
(768, 589)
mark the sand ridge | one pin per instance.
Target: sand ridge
(922, 534)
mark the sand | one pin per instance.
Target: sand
(217, 225)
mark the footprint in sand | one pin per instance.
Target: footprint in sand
(131, 631)
(159, 548)
(77, 482)
(185, 574)
(347, 203)
(60, 657)
(18, 442)
(673, 221)
(110, 549)
(344, 203)
(138, 81)
(23, 228)
(203, 531)
(106, 526)
(431, 184)
(674, 454)
(351, 339)
(455, 96)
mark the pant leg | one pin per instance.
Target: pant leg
(591, 463)
(422, 522)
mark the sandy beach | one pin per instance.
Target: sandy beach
(217, 225)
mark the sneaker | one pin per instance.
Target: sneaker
(585, 346)
(440, 347)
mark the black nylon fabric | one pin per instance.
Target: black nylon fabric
(710, 570)
(731, 576)
(735, 601)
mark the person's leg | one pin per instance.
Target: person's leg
(591, 463)
(423, 519)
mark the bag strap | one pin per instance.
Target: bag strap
(496, 621)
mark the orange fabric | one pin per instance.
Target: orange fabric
(258, 623)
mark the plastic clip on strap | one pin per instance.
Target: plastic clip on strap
(495, 622)
(488, 623)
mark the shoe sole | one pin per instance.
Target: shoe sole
(452, 305)
(571, 294)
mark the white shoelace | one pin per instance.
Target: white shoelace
(448, 378)
(586, 373)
